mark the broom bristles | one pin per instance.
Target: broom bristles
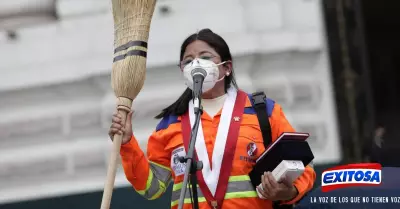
(132, 19)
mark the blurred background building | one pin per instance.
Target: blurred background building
(330, 64)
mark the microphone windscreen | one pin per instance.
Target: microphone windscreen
(198, 71)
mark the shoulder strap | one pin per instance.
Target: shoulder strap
(258, 100)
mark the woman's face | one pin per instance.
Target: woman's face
(200, 49)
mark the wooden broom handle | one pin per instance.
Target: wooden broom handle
(112, 164)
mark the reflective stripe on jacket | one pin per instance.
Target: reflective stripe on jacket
(238, 187)
(151, 175)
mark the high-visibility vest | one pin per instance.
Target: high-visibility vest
(150, 175)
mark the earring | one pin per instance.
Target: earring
(227, 74)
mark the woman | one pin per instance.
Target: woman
(224, 180)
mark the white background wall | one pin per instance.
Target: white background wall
(55, 94)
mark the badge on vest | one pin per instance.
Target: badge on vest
(176, 165)
(251, 150)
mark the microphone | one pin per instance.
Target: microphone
(198, 75)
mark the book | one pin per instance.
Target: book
(288, 171)
(288, 146)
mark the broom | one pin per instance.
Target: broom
(132, 19)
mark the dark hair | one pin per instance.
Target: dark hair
(180, 106)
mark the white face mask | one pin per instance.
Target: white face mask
(212, 73)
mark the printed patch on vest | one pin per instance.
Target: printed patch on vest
(176, 165)
(251, 150)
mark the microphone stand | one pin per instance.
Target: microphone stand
(192, 165)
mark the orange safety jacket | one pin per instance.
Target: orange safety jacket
(151, 176)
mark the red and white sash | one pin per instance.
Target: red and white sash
(213, 179)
